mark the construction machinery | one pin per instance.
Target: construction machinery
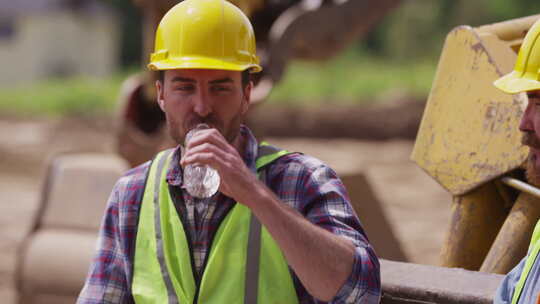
(469, 142)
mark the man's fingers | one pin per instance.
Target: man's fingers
(209, 136)
(207, 154)
(203, 158)
(221, 162)
(203, 148)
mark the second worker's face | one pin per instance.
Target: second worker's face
(193, 96)
(530, 126)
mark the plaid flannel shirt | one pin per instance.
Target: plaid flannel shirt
(300, 181)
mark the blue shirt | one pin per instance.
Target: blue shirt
(531, 289)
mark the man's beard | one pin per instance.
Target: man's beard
(533, 174)
(229, 131)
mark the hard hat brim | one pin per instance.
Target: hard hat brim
(201, 63)
(514, 82)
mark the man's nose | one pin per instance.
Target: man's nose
(202, 105)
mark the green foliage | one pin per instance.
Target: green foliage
(353, 78)
(504, 9)
(417, 28)
(57, 97)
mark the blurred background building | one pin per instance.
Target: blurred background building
(41, 39)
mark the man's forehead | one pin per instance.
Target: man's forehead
(202, 75)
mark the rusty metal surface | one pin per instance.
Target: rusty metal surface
(512, 242)
(414, 283)
(476, 219)
(469, 132)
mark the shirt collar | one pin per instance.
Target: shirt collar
(175, 172)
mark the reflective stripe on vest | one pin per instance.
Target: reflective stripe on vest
(534, 248)
(235, 272)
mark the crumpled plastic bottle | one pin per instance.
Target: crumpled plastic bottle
(200, 181)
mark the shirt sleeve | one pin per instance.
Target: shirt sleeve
(328, 206)
(106, 281)
(505, 292)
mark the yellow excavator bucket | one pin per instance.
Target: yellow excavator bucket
(469, 131)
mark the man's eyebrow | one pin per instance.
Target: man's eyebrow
(183, 79)
(221, 80)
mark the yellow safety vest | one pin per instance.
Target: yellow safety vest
(534, 248)
(244, 265)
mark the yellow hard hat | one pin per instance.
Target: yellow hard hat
(526, 74)
(205, 34)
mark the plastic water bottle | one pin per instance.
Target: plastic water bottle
(200, 181)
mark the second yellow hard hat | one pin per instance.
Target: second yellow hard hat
(526, 74)
(205, 34)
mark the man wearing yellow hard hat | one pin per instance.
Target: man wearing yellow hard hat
(279, 230)
(522, 284)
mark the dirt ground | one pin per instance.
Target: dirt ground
(416, 206)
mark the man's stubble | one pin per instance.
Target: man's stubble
(229, 131)
(533, 174)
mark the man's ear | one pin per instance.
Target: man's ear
(160, 99)
(247, 97)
